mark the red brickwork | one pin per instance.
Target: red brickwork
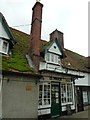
(59, 35)
(34, 50)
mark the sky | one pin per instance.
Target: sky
(68, 16)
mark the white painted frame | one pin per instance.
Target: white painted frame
(56, 58)
(63, 104)
(1, 46)
(44, 106)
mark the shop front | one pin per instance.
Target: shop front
(54, 96)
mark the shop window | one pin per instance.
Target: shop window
(66, 93)
(44, 94)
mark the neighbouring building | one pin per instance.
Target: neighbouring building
(83, 88)
(39, 78)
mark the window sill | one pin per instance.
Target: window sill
(57, 64)
(64, 104)
(3, 54)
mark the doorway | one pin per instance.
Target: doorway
(55, 100)
(79, 99)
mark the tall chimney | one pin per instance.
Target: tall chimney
(34, 50)
(59, 35)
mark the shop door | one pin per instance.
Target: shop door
(55, 100)
(79, 99)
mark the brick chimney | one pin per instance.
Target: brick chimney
(34, 50)
(59, 35)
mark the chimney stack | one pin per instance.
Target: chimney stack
(34, 50)
(59, 35)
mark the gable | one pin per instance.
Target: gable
(55, 49)
(3, 32)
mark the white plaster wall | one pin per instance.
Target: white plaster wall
(83, 81)
(57, 68)
(17, 102)
(3, 32)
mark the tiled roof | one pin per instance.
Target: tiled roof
(18, 62)
(75, 61)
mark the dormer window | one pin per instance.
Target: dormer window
(52, 58)
(4, 47)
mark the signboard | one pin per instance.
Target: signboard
(29, 88)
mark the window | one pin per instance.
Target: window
(44, 94)
(53, 58)
(48, 56)
(66, 93)
(85, 97)
(0, 45)
(4, 46)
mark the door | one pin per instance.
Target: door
(79, 99)
(55, 100)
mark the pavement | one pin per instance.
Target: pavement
(84, 115)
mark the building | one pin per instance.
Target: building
(83, 88)
(38, 77)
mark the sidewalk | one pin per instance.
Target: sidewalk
(84, 114)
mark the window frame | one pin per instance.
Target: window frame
(43, 98)
(2, 47)
(66, 93)
(52, 58)
(85, 97)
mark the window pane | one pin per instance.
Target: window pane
(52, 58)
(44, 94)
(5, 45)
(0, 45)
(66, 93)
(48, 57)
(85, 97)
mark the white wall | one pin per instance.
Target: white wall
(55, 50)
(83, 81)
(17, 102)
(3, 32)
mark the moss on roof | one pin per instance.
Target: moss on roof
(17, 60)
